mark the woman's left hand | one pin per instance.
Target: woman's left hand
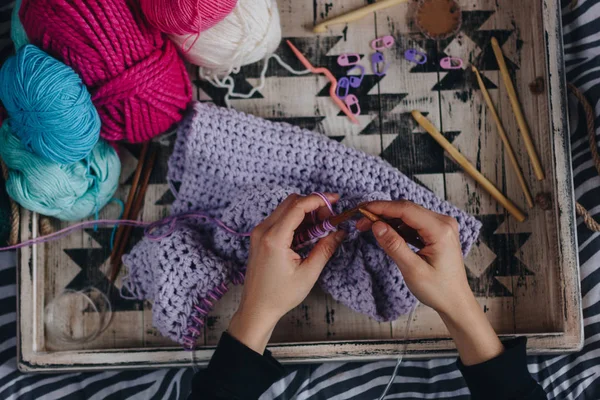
(277, 278)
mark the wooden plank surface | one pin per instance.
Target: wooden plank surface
(524, 275)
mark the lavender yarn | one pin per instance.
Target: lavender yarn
(238, 168)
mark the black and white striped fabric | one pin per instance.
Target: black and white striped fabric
(575, 376)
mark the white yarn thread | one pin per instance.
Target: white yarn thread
(247, 35)
(229, 84)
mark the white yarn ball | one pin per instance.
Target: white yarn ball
(250, 33)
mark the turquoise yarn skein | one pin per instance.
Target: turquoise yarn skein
(49, 107)
(67, 192)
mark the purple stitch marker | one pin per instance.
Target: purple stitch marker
(344, 84)
(415, 56)
(376, 59)
(356, 80)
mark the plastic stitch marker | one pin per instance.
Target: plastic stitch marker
(344, 84)
(451, 63)
(356, 80)
(415, 56)
(377, 58)
(381, 43)
(352, 103)
(348, 59)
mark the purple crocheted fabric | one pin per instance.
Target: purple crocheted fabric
(238, 168)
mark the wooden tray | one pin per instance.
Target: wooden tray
(524, 274)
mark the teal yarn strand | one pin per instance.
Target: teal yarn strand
(49, 107)
(17, 32)
(67, 192)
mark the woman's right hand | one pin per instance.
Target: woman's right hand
(436, 275)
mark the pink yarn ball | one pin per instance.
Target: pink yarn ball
(138, 83)
(181, 17)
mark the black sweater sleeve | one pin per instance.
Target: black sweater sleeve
(235, 372)
(505, 377)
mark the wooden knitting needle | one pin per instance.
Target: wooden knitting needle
(502, 133)
(343, 217)
(406, 232)
(516, 106)
(356, 14)
(135, 210)
(468, 167)
(130, 198)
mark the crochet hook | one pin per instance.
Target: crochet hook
(329, 75)
(409, 234)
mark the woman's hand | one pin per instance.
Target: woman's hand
(436, 274)
(277, 278)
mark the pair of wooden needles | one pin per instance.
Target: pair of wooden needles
(133, 207)
(468, 167)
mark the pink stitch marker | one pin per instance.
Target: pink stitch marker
(451, 63)
(352, 103)
(381, 43)
(348, 59)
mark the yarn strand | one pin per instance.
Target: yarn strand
(151, 227)
(229, 84)
(589, 221)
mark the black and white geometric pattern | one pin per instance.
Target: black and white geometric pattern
(574, 376)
